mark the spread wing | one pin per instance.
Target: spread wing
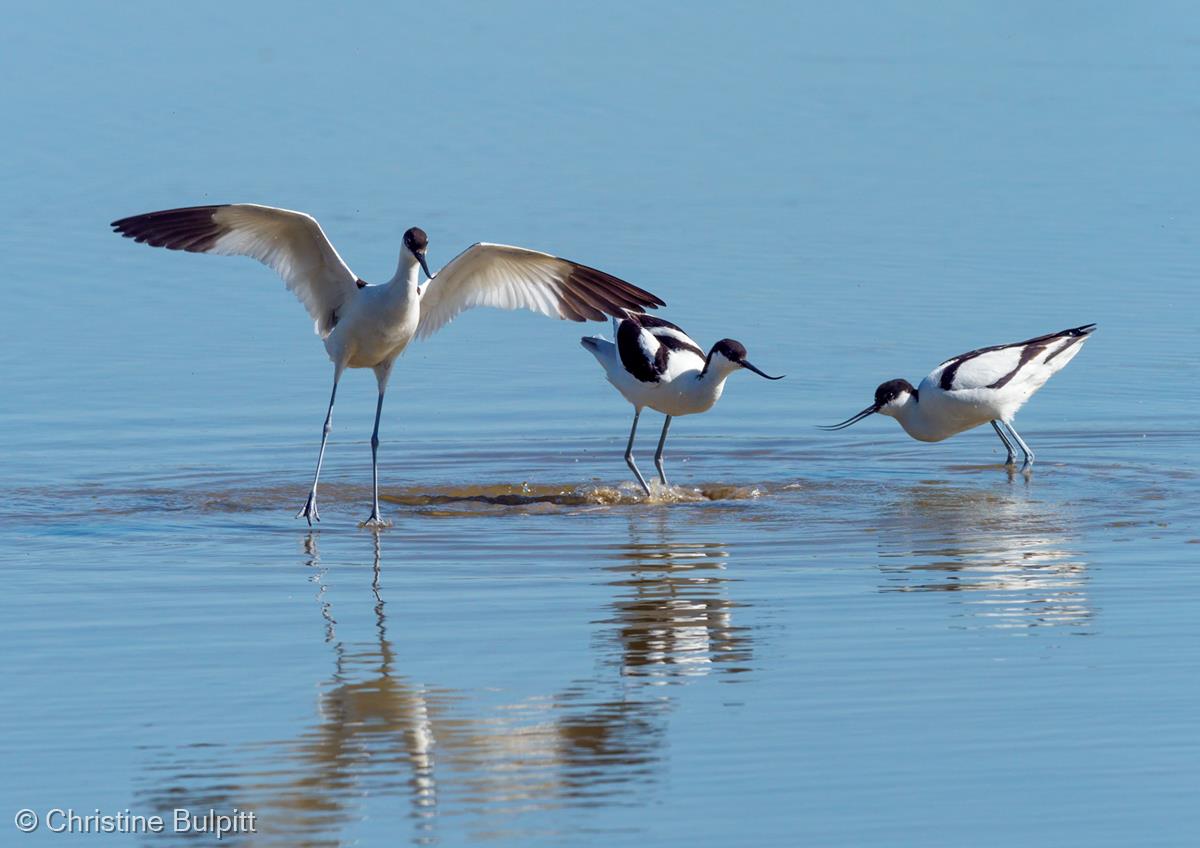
(516, 278)
(996, 367)
(291, 243)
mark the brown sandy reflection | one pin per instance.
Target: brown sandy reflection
(1009, 552)
(382, 734)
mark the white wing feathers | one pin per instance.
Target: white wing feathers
(508, 277)
(1033, 360)
(290, 243)
(294, 245)
(986, 368)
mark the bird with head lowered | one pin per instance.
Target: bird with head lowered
(981, 386)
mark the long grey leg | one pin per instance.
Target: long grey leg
(374, 520)
(1007, 444)
(629, 453)
(309, 512)
(658, 455)
(382, 373)
(1021, 442)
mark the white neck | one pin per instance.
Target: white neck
(714, 376)
(718, 370)
(909, 415)
(408, 270)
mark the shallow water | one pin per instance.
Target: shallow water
(807, 638)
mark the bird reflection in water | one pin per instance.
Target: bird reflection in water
(380, 733)
(673, 618)
(1008, 552)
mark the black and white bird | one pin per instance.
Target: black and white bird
(656, 364)
(981, 386)
(368, 326)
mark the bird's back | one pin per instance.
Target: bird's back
(655, 364)
(1003, 377)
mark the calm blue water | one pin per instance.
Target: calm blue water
(822, 639)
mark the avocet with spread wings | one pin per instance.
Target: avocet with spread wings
(368, 326)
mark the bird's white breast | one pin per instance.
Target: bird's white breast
(679, 390)
(376, 326)
(938, 415)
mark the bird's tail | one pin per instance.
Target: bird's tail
(599, 347)
(1071, 341)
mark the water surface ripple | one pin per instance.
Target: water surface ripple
(809, 638)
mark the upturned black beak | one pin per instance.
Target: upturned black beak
(854, 419)
(420, 254)
(750, 367)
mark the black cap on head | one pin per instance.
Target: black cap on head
(415, 239)
(732, 350)
(892, 389)
(735, 351)
(885, 394)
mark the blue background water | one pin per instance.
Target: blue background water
(827, 652)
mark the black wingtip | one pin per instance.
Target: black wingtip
(594, 295)
(190, 228)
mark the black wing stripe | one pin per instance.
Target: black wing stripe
(667, 340)
(1027, 354)
(946, 383)
(676, 343)
(650, 322)
(634, 358)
